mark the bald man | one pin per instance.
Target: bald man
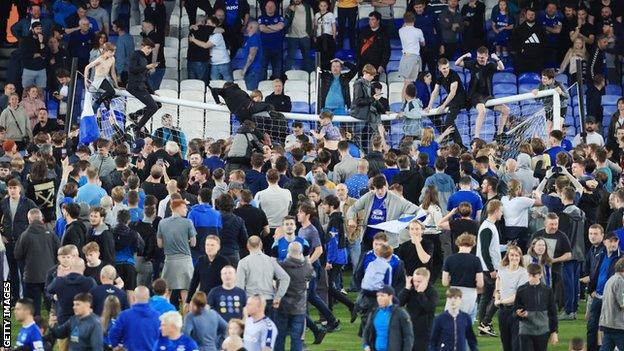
(65, 288)
(136, 328)
(107, 288)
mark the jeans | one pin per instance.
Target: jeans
(289, 324)
(275, 58)
(143, 95)
(611, 340)
(303, 44)
(38, 78)
(197, 69)
(335, 274)
(355, 250)
(572, 290)
(508, 325)
(592, 324)
(34, 291)
(222, 71)
(486, 304)
(156, 78)
(534, 342)
(253, 76)
(315, 299)
(347, 17)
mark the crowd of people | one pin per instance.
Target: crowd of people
(151, 241)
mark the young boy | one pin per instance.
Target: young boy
(65, 255)
(453, 327)
(93, 264)
(279, 250)
(377, 274)
(549, 82)
(412, 112)
(536, 309)
(136, 213)
(328, 131)
(160, 300)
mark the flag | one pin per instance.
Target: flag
(395, 226)
(116, 106)
(89, 131)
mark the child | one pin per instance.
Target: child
(549, 82)
(160, 300)
(256, 96)
(93, 265)
(64, 255)
(377, 274)
(412, 112)
(328, 131)
(136, 213)
(453, 327)
(236, 327)
(540, 325)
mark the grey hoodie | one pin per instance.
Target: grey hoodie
(104, 165)
(523, 174)
(295, 300)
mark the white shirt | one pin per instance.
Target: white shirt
(516, 211)
(218, 53)
(592, 138)
(411, 37)
(324, 25)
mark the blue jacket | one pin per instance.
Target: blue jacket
(428, 23)
(398, 270)
(452, 333)
(444, 185)
(137, 328)
(594, 275)
(160, 304)
(206, 221)
(336, 243)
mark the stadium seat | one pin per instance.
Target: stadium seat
(171, 84)
(395, 97)
(610, 99)
(529, 78)
(393, 77)
(184, 43)
(299, 96)
(363, 10)
(172, 73)
(171, 42)
(193, 95)
(504, 77)
(238, 74)
(193, 84)
(502, 88)
(292, 86)
(608, 110)
(171, 52)
(392, 66)
(241, 84)
(217, 83)
(395, 55)
(296, 74)
(300, 107)
(135, 30)
(562, 78)
(613, 89)
(526, 88)
(171, 62)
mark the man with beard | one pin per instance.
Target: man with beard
(591, 137)
(529, 40)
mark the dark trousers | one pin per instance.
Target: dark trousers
(486, 303)
(34, 291)
(326, 46)
(449, 50)
(534, 342)
(449, 121)
(592, 324)
(572, 286)
(367, 244)
(289, 324)
(108, 92)
(315, 300)
(334, 292)
(143, 95)
(191, 7)
(275, 58)
(528, 64)
(611, 339)
(14, 271)
(429, 56)
(347, 18)
(508, 325)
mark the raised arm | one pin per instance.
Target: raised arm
(460, 61)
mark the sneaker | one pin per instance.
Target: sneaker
(318, 337)
(343, 291)
(567, 316)
(333, 327)
(486, 329)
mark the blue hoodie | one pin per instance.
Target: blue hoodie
(160, 304)
(62, 10)
(137, 328)
(206, 221)
(444, 185)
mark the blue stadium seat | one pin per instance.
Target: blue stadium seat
(502, 88)
(396, 107)
(504, 77)
(610, 99)
(529, 78)
(613, 89)
(608, 110)
(562, 78)
(300, 107)
(395, 55)
(393, 66)
(346, 54)
(526, 88)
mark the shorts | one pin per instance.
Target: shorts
(478, 99)
(409, 67)
(127, 273)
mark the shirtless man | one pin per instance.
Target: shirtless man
(104, 67)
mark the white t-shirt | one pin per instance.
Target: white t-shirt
(592, 138)
(516, 211)
(324, 25)
(218, 53)
(411, 37)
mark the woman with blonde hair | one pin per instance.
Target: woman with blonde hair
(577, 52)
(511, 276)
(429, 144)
(110, 312)
(516, 212)
(538, 254)
(32, 103)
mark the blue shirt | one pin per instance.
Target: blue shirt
(231, 12)
(334, 97)
(228, 303)
(377, 215)
(136, 214)
(280, 247)
(214, 162)
(466, 196)
(382, 325)
(603, 274)
(90, 194)
(253, 42)
(355, 184)
(552, 153)
(377, 274)
(335, 254)
(30, 338)
(272, 40)
(431, 150)
(389, 173)
(551, 22)
(183, 343)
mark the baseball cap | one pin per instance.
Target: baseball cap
(35, 24)
(611, 236)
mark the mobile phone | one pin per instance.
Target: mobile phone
(63, 152)
(160, 162)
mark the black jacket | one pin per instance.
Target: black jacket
(106, 241)
(138, 72)
(412, 183)
(30, 46)
(594, 103)
(65, 288)
(375, 162)
(593, 275)
(233, 234)
(281, 103)
(539, 301)
(75, 234)
(326, 78)
(297, 186)
(236, 100)
(421, 308)
(37, 247)
(529, 48)
(147, 231)
(12, 228)
(373, 48)
(207, 275)
(400, 331)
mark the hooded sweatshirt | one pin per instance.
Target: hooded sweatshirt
(524, 174)
(572, 223)
(65, 288)
(127, 243)
(104, 164)
(300, 273)
(104, 238)
(137, 328)
(444, 185)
